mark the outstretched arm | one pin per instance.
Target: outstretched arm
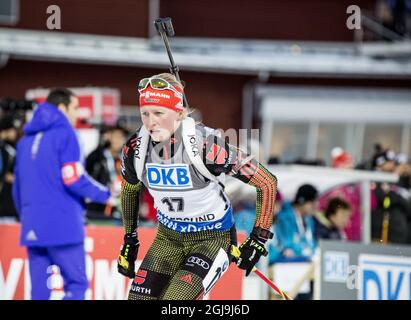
(74, 177)
(221, 157)
(256, 175)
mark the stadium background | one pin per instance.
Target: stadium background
(308, 33)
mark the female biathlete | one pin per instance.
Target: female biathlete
(182, 164)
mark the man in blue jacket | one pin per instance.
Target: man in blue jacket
(49, 192)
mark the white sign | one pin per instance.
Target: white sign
(384, 277)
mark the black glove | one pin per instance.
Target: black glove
(251, 251)
(128, 255)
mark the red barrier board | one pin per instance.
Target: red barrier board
(102, 247)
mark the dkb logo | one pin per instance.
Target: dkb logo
(168, 176)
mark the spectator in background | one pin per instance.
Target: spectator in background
(383, 159)
(391, 217)
(8, 130)
(8, 139)
(294, 229)
(341, 159)
(403, 169)
(384, 16)
(395, 16)
(49, 191)
(331, 223)
(350, 193)
(103, 164)
(400, 13)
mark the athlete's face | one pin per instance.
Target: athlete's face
(160, 122)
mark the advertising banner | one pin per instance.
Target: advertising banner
(102, 246)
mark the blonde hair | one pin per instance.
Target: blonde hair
(171, 78)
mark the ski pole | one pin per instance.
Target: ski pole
(235, 252)
(165, 28)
